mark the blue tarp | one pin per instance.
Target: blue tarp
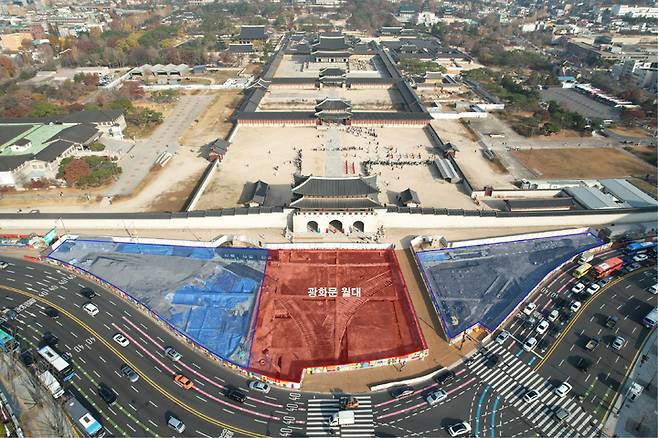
(209, 294)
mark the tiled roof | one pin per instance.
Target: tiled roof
(332, 187)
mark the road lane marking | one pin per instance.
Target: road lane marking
(120, 355)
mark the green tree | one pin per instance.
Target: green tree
(45, 109)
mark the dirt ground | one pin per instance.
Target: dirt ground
(582, 163)
(478, 170)
(305, 100)
(645, 153)
(269, 154)
(630, 132)
(441, 354)
(214, 122)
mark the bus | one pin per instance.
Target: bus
(61, 368)
(607, 268)
(650, 320)
(83, 419)
(634, 247)
(8, 343)
(581, 270)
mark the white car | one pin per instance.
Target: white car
(563, 389)
(640, 258)
(502, 337)
(459, 429)
(436, 397)
(542, 327)
(3, 264)
(91, 309)
(553, 315)
(653, 289)
(172, 354)
(618, 343)
(259, 386)
(121, 340)
(530, 344)
(529, 309)
(593, 288)
(578, 288)
(575, 306)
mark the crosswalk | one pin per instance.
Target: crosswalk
(319, 411)
(512, 378)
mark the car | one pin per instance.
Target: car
(531, 395)
(176, 424)
(583, 364)
(49, 339)
(618, 343)
(553, 315)
(575, 306)
(593, 288)
(640, 258)
(260, 386)
(10, 313)
(530, 322)
(633, 267)
(87, 292)
(121, 340)
(27, 358)
(542, 327)
(347, 402)
(172, 354)
(578, 288)
(459, 429)
(90, 308)
(183, 381)
(129, 373)
(560, 413)
(235, 394)
(529, 309)
(492, 360)
(436, 397)
(607, 280)
(51, 312)
(529, 344)
(502, 337)
(106, 393)
(402, 391)
(653, 289)
(563, 389)
(3, 264)
(611, 321)
(444, 377)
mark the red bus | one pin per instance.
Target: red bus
(606, 268)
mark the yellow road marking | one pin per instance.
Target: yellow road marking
(125, 360)
(582, 312)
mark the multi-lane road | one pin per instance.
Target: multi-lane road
(487, 396)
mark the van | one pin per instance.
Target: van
(176, 424)
(341, 418)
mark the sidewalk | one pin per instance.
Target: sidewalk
(637, 418)
(38, 413)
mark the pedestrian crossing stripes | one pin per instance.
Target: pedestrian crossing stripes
(319, 411)
(512, 378)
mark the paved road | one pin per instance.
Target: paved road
(137, 163)
(488, 397)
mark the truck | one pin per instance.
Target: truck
(341, 418)
(49, 381)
